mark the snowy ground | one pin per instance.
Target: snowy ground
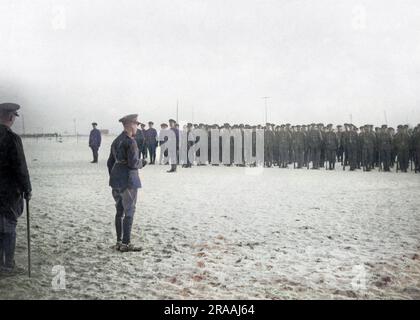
(218, 232)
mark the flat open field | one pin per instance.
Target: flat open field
(218, 232)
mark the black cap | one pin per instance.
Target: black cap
(10, 107)
(129, 118)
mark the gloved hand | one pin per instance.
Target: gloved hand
(27, 195)
(143, 163)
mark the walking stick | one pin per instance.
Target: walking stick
(28, 228)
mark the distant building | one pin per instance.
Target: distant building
(104, 131)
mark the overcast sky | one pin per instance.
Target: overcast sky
(318, 60)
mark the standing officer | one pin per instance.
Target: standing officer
(377, 134)
(151, 142)
(123, 165)
(95, 141)
(352, 147)
(289, 129)
(331, 146)
(340, 149)
(141, 142)
(269, 138)
(402, 146)
(276, 152)
(314, 142)
(322, 153)
(305, 131)
(344, 142)
(15, 184)
(143, 148)
(368, 140)
(360, 135)
(299, 146)
(283, 140)
(385, 148)
(391, 132)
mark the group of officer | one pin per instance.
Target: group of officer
(148, 141)
(315, 145)
(362, 147)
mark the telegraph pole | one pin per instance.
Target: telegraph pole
(266, 108)
(386, 118)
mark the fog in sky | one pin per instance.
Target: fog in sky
(319, 61)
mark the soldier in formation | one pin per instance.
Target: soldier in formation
(331, 146)
(317, 146)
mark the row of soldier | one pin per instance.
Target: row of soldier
(359, 148)
(311, 146)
